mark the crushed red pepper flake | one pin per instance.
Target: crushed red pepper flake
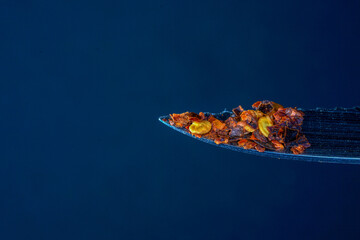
(280, 132)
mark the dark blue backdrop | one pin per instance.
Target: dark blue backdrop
(83, 155)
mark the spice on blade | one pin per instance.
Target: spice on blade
(269, 126)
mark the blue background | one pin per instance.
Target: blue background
(82, 84)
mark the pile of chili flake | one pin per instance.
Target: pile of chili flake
(269, 126)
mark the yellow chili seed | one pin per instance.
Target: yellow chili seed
(249, 128)
(201, 127)
(263, 123)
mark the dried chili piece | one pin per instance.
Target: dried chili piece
(216, 123)
(288, 117)
(237, 111)
(260, 148)
(278, 145)
(298, 149)
(183, 119)
(247, 144)
(266, 106)
(257, 135)
(276, 133)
